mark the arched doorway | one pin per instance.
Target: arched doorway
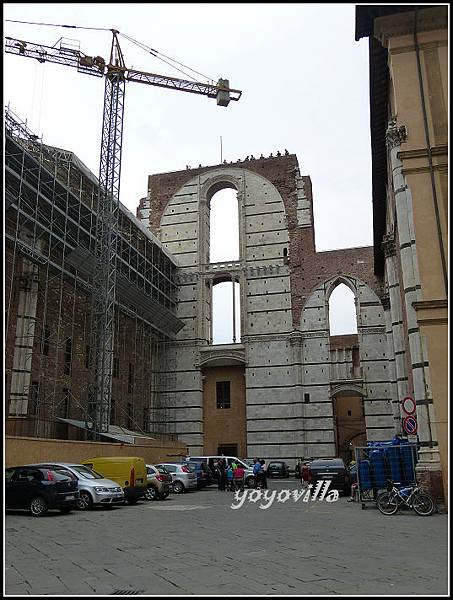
(349, 418)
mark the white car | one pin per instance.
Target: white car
(183, 478)
(93, 488)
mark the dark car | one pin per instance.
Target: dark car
(202, 471)
(39, 489)
(278, 468)
(333, 470)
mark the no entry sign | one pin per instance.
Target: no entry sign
(410, 425)
(408, 405)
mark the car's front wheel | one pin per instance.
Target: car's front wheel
(38, 506)
(178, 487)
(250, 482)
(84, 501)
(163, 495)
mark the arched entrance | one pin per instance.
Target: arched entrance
(349, 419)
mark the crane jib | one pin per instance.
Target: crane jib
(96, 66)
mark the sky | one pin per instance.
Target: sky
(304, 82)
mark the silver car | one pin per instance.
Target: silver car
(183, 478)
(93, 488)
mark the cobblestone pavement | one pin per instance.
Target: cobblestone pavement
(196, 544)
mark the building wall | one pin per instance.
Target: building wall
(224, 425)
(417, 164)
(285, 285)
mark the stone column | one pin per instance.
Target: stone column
(394, 377)
(429, 454)
(395, 315)
(234, 310)
(295, 340)
(211, 312)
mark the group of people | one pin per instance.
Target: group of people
(230, 477)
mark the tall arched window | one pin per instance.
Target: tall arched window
(226, 313)
(224, 226)
(342, 312)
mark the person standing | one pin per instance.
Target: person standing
(298, 468)
(238, 480)
(221, 469)
(229, 475)
(257, 470)
(305, 475)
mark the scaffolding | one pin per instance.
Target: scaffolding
(50, 232)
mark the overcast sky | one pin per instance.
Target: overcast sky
(303, 76)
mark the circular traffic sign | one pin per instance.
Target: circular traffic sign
(410, 425)
(409, 405)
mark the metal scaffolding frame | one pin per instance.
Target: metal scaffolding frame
(50, 232)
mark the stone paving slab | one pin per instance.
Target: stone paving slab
(195, 544)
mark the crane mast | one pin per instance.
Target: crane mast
(104, 277)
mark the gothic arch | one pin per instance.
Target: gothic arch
(216, 183)
(320, 296)
(338, 280)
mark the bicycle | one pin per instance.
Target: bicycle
(411, 495)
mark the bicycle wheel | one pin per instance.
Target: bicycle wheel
(423, 504)
(387, 503)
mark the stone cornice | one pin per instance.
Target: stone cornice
(431, 312)
(224, 355)
(422, 152)
(396, 25)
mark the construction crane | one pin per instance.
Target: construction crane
(116, 74)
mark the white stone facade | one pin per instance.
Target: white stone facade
(285, 363)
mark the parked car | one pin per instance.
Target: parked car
(277, 468)
(93, 488)
(333, 470)
(183, 478)
(39, 489)
(159, 483)
(202, 472)
(127, 471)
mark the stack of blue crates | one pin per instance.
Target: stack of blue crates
(382, 461)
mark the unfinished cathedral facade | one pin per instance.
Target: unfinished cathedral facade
(286, 388)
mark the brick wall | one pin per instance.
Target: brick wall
(28, 450)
